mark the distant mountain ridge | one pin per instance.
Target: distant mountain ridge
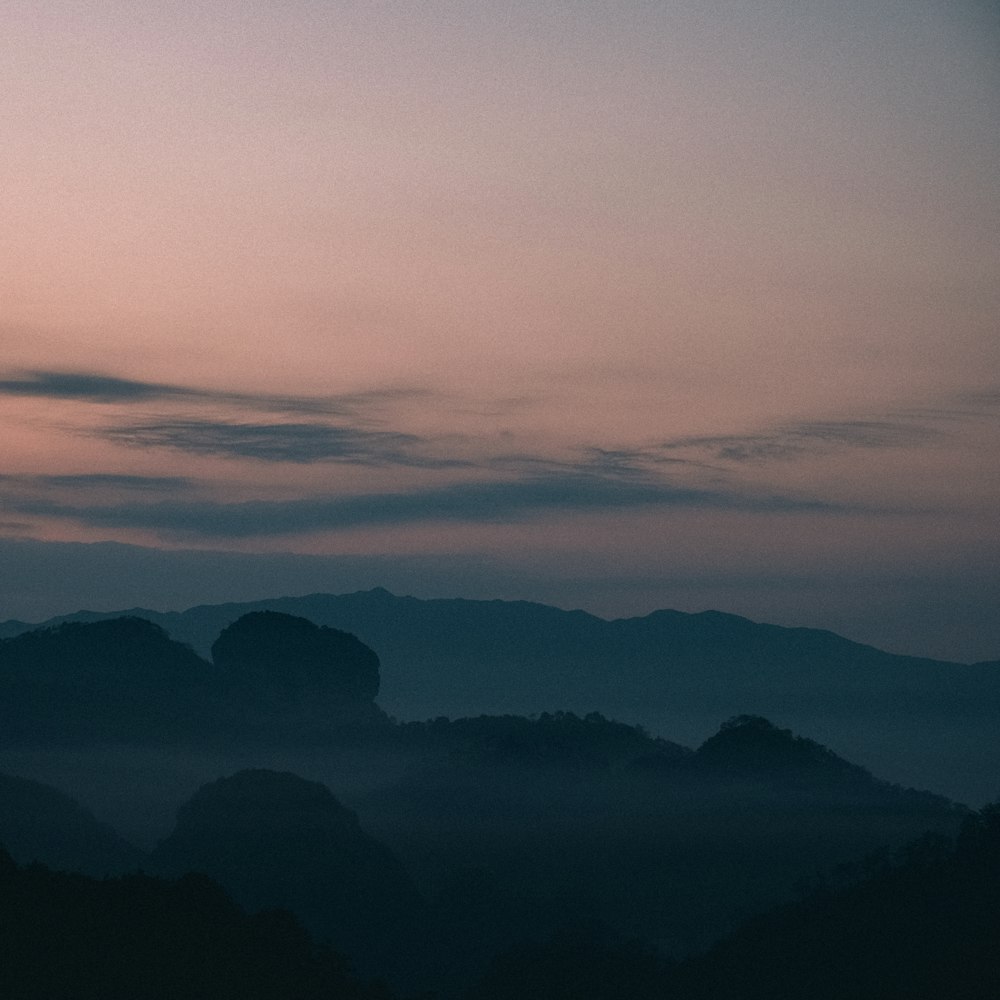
(918, 721)
(200, 624)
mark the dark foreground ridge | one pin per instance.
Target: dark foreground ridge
(920, 925)
(39, 823)
(135, 937)
(477, 832)
(274, 839)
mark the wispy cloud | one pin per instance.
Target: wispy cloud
(144, 484)
(345, 427)
(87, 386)
(987, 399)
(101, 480)
(301, 443)
(100, 388)
(975, 404)
(909, 427)
(475, 502)
(692, 473)
(792, 441)
(626, 460)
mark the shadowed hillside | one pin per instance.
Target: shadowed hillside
(274, 839)
(523, 822)
(293, 659)
(125, 680)
(39, 823)
(921, 925)
(108, 680)
(919, 722)
(66, 936)
(479, 831)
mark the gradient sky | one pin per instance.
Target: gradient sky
(619, 305)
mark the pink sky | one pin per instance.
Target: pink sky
(675, 305)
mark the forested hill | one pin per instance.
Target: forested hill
(918, 721)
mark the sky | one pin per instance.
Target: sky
(617, 305)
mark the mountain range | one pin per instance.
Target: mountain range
(499, 828)
(922, 722)
(425, 850)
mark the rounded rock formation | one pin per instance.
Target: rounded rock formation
(292, 659)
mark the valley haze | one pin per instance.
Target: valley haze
(921, 722)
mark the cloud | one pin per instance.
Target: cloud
(102, 480)
(86, 386)
(496, 488)
(341, 428)
(14, 527)
(800, 440)
(116, 481)
(631, 459)
(302, 443)
(478, 502)
(988, 398)
(99, 388)
(345, 427)
(976, 404)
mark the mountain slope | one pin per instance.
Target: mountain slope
(273, 839)
(918, 721)
(921, 926)
(39, 823)
(274, 676)
(924, 926)
(139, 938)
(521, 825)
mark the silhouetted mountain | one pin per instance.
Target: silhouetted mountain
(273, 664)
(126, 680)
(39, 823)
(274, 839)
(68, 937)
(509, 825)
(922, 927)
(513, 823)
(918, 721)
(13, 626)
(751, 746)
(550, 740)
(102, 681)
